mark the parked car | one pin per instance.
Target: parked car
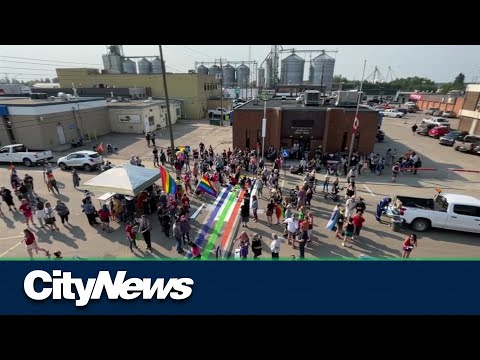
(450, 138)
(476, 150)
(430, 111)
(87, 160)
(467, 144)
(438, 131)
(402, 110)
(438, 113)
(448, 114)
(412, 108)
(19, 153)
(444, 211)
(423, 129)
(392, 113)
(380, 136)
(436, 120)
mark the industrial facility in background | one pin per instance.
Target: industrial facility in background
(115, 62)
(242, 76)
(290, 72)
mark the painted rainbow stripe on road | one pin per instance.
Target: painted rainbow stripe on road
(224, 215)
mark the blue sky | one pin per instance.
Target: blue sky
(440, 63)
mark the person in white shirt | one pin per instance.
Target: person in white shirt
(350, 207)
(275, 246)
(292, 227)
(303, 163)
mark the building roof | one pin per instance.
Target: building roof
(291, 104)
(26, 101)
(46, 85)
(136, 103)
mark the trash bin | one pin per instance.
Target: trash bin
(397, 224)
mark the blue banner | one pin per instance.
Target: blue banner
(239, 287)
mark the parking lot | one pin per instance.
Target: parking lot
(377, 240)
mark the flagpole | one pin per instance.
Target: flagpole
(354, 131)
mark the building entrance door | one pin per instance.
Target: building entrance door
(61, 135)
(302, 148)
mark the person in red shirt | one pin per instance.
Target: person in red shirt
(26, 210)
(32, 244)
(186, 203)
(408, 245)
(104, 215)
(131, 235)
(358, 221)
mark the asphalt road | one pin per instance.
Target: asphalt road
(377, 240)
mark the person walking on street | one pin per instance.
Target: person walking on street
(32, 244)
(358, 221)
(395, 171)
(414, 129)
(155, 156)
(7, 198)
(104, 215)
(89, 211)
(131, 236)
(50, 217)
(147, 137)
(255, 208)
(185, 227)
(27, 212)
(75, 178)
(145, 228)
(256, 245)
(62, 211)
(302, 242)
(408, 245)
(177, 232)
(275, 246)
(152, 138)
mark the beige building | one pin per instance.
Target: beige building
(470, 113)
(49, 124)
(137, 117)
(193, 89)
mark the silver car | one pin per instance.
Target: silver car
(87, 160)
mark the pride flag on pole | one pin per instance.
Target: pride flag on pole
(206, 186)
(168, 182)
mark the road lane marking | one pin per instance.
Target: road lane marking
(13, 247)
(195, 214)
(11, 237)
(368, 189)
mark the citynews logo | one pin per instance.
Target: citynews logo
(60, 285)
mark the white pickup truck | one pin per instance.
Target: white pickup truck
(444, 211)
(19, 153)
(218, 112)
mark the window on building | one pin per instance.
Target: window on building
(151, 121)
(179, 113)
(205, 87)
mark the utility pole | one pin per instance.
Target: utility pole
(169, 119)
(354, 130)
(321, 81)
(264, 125)
(221, 93)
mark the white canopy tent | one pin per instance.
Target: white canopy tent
(125, 179)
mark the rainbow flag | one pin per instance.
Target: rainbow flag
(168, 182)
(206, 186)
(185, 149)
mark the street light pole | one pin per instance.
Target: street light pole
(354, 131)
(169, 119)
(221, 93)
(264, 125)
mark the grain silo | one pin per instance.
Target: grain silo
(215, 71)
(202, 70)
(243, 75)
(157, 66)
(323, 71)
(261, 78)
(292, 70)
(112, 63)
(268, 73)
(144, 66)
(129, 66)
(228, 75)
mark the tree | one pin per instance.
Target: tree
(339, 79)
(55, 80)
(47, 80)
(460, 79)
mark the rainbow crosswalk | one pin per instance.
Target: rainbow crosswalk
(224, 214)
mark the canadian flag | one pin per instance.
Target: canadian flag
(356, 124)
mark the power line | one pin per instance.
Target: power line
(56, 61)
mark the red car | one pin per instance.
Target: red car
(438, 131)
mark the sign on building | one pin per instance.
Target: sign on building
(133, 119)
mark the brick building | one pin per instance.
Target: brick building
(443, 102)
(289, 123)
(470, 113)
